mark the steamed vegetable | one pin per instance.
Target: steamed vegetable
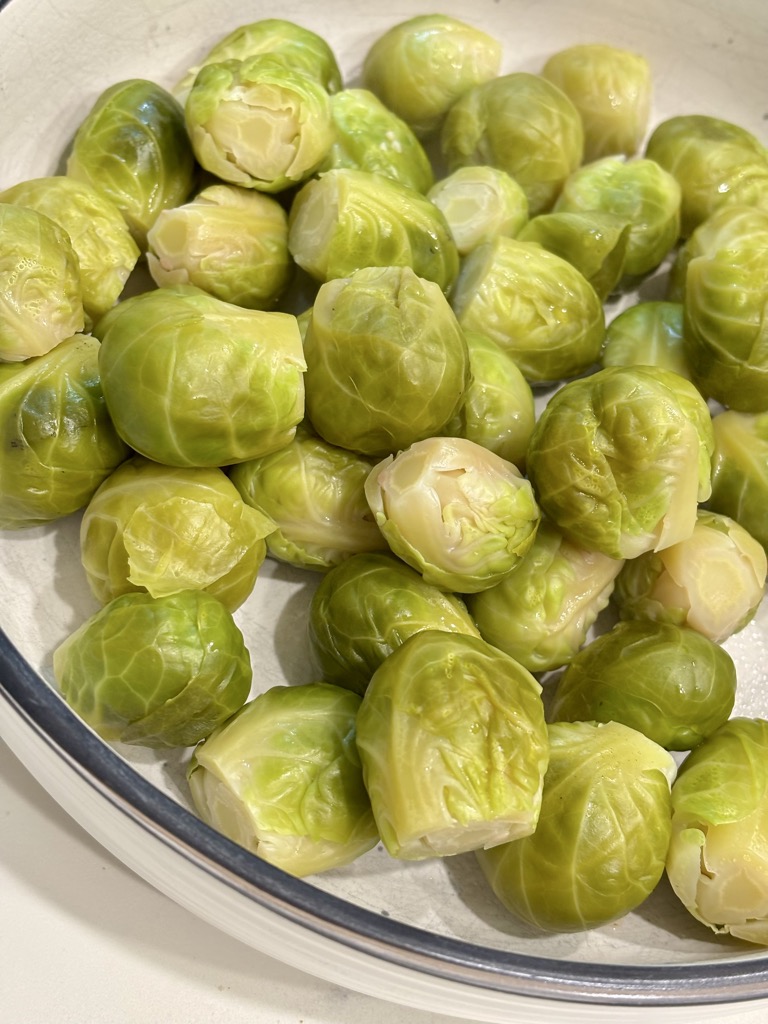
(155, 671)
(647, 334)
(283, 778)
(479, 204)
(457, 513)
(601, 841)
(367, 606)
(166, 529)
(454, 747)
(717, 862)
(740, 470)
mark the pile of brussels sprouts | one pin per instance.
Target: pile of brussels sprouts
(356, 293)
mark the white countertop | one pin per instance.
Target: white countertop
(83, 940)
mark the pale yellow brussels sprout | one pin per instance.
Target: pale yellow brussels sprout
(301, 48)
(421, 66)
(104, 246)
(457, 513)
(647, 333)
(713, 582)
(479, 204)
(612, 90)
(521, 123)
(229, 241)
(41, 299)
(537, 306)
(163, 529)
(258, 122)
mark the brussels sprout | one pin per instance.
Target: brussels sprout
(717, 864)
(258, 122)
(740, 470)
(228, 241)
(370, 137)
(299, 47)
(454, 747)
(536, 305)
(715, 163)
(420, 67)
(58, 441)
(105, 249)
(713, 581)
(457, 513)
(314, 494)
(133, 148)
(155, 671)
(594, 242)
(647, 334)
(724, 327)
(620, 460)
(541, 613)
(524, 125)
(367, 606)
(387, 363)
(348, 219)
(729, 227)
(479, 204)
(611, 88)
(283, 779)
(41, 299)
(669, 682)
(639, 192)
(164, 529)
(498, 410)
(220, 384)
(601, 841)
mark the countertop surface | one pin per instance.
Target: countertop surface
(85, 941)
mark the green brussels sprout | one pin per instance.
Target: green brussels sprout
(283, 779)
(498, 410)
(669, 682)
(58, 441)
(105, 249)
(594, 242)
(457, 513)
(421, 66)
(314, 494)
(258, 122)
(228, 241)
(729, 227)
(370, 137)
(620, 460)
(611, 88)
(479, 204)
(724, 327)
(133, 148)
(600, 844)
(541, 613)
(163, 529)
(647, 334)
(41, 299)
(712, 582)
(220, 384)
(367, 606)
(715, 163)
(639, 192)
(453, 744)
(155, 671)
(348, 219)
(302, 49)
(536, 305)
(740, 470)
(523, 124)
(387, 363)
(716, 863)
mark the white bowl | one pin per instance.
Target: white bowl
(426, 935)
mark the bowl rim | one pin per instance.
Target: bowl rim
(401, 945)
